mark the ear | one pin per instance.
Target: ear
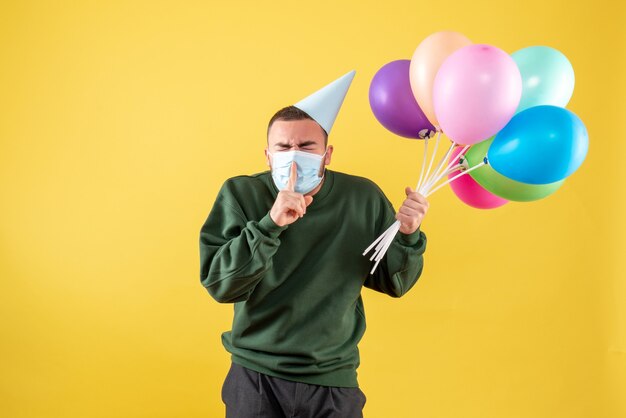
(267, 158)
(329, 154)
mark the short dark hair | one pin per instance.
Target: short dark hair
(293, 113)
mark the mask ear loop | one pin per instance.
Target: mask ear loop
(323, 168)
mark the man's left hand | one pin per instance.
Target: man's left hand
(412, 211)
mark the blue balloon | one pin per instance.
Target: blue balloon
(540, 145)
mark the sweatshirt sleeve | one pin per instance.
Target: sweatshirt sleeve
(403, 263)
(235, 253)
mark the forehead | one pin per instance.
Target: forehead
(295, 131)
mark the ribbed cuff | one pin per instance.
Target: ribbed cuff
(410, 239)
(267, 225)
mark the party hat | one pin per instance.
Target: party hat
(324, 104)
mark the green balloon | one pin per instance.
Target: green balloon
(500, 185)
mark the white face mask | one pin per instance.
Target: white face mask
(308, 166)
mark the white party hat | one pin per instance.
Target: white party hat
(323, 105)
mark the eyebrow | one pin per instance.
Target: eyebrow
(303, 144)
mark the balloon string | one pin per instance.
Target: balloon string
(419, 182)
(445, 158)
(433, 155)
(384, 242)
(381, 254)
(445, 174)
(455, 177)
(393, 230)
(425, 182)
(434, 180)
(367, 250)
(438, 173)
(379, 239)
(438, 169)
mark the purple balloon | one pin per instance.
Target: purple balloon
(394, 105)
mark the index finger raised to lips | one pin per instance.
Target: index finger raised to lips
(291, 184)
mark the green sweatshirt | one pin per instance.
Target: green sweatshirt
(296, 289)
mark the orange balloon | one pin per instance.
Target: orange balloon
(427, 59)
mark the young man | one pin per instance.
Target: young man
(285, 246)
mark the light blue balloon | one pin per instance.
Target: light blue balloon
(547, 77)
(540, 145)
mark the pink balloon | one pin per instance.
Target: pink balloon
(476, 92)
(470, 192)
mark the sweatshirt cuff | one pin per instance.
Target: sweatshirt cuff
(267, 225)
(410, 239)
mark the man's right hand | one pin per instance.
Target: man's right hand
(289, 205)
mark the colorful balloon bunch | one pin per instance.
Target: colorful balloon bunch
(504, 114)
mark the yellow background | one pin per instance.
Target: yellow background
(119, 121)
